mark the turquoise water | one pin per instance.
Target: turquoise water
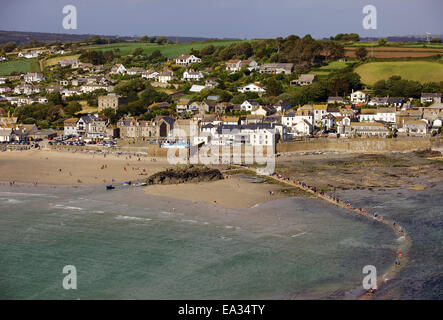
(128, 245)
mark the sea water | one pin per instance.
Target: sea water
(125, 244)
(421, 214)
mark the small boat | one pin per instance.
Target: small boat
(110, 187)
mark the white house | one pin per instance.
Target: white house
(319, 112)
(379, 114)
(191, 75)
(34, 77)
(386, 115)
(249, 105)
(299, 125)
(259, 134)
(29, 55)
(187, 59)
(71, 92)
(253, 87)
(70, 127)
(134, 71)
(291, 119)
(359, 97)
(86, 88)
(150, 74)
(118, 69)
(328, 121)
(235, 65)
(7, 134)
(249, 64)
(165, 76)
(302, 128)
(282, 106)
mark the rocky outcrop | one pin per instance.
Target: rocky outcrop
(185, 174)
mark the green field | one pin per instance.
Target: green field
(397, 45)
(330, 67)
(168, 50)
(21, 66)
(423, 71)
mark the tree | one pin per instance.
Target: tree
(347, 37)
(161, 40)
(130, 88)
(361, 53)
(208, 50)
(137, 51)
(156, 56)
(150, 95)
(72, 108)
(382, 42)
(54, 98)
(273, 87)
(144, 39)
(9, 46)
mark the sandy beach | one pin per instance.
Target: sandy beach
(232, 192)
(74, 169)
(44, 167)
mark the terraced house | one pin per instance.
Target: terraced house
(277, 68)
(369, 129)
(97, 127)
(134, 128)
(111, 101)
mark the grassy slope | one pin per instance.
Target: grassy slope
(86, 108)
(22, 66)
(332, 66)
(168, 50)
(423, 71)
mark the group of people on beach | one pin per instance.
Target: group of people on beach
(347, 205)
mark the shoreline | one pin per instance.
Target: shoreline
(398, 229)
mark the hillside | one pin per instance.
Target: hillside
(168, 50)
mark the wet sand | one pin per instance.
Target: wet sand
(231, 192)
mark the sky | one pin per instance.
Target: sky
(225, 18)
